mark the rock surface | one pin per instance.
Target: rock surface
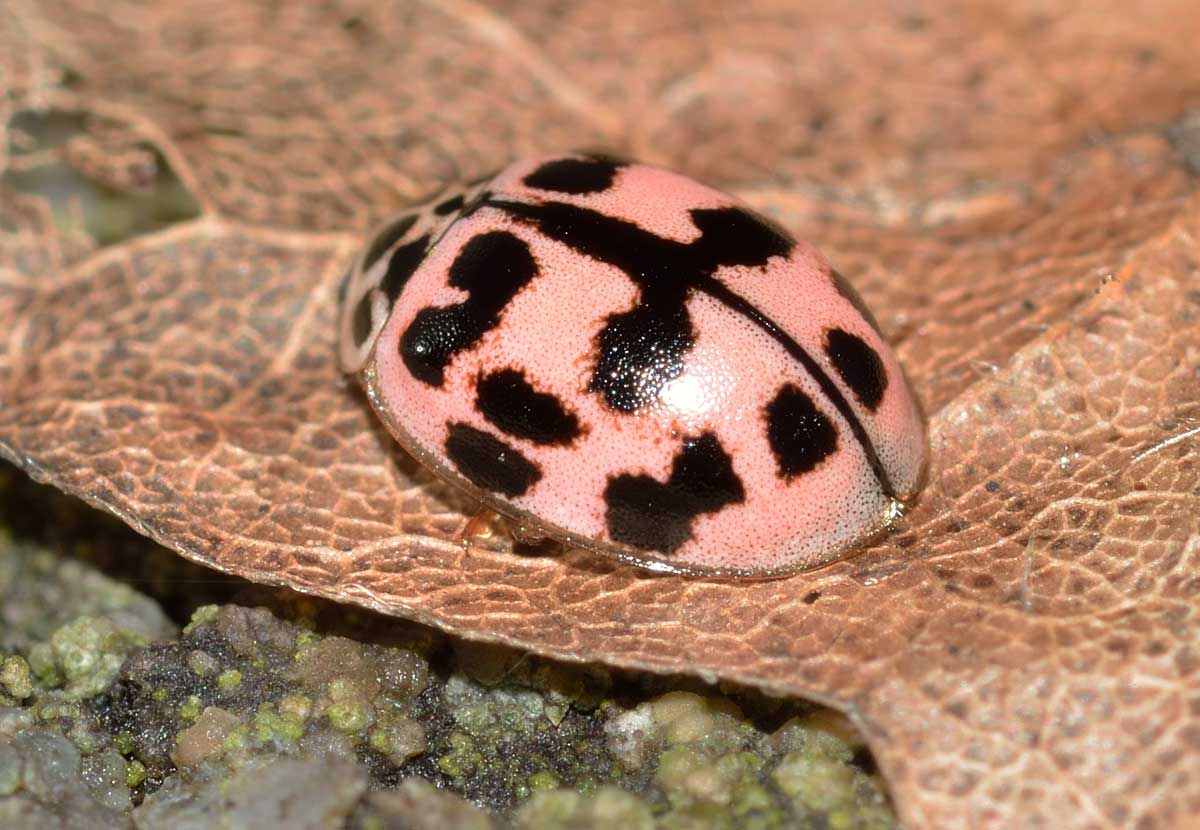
(273, 710)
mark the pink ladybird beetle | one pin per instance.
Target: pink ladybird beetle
(628, 361)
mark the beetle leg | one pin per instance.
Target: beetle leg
(486, 529)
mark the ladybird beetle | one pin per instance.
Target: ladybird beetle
(628, 361)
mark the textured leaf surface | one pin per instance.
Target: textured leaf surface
(1012, 188)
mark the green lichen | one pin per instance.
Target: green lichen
(543, 780)
(347, 717)
(238, 740)
(754, 808)
(16, 677)
(305, 640)
(819, 780)
(135, 773)
(45, 668)
(269, 725)
(229, 680)
(508, 741)
(191, 708)
(53, 709)
(690, 718)
(462, 759)
(85, 656)
(82, 735)
(490, 714)
(204, 615)
(123, 743)
(346, 712)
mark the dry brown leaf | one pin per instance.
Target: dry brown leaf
(1023, 652)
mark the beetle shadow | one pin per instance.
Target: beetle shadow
(412, 471)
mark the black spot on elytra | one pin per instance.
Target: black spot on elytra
(492, 267)
(511, 403)
(575, 176)
(448, 206)
(386, 238)
(652, 515)
(859, 365)
(801, 437)
(733, 236)
(641, 350)
(848, 293)
(401, 266)
(665, 271)
(489, 463)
